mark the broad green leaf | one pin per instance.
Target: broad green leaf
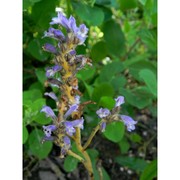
(125, 5)
(41, 75)
(136, 99)
(118, 81)
(41, 118)
(31, 96)
(150, 80)
(150, 171)
(103, 89)
(35, 49)
(132, 162)
(38, 104)
(107, 102)
(70, 164)
(25, 134)
(124, 145)
(94, 16)
(114, 38)
(114, 131)
(103, 2)
(110, 70)
(87, 73)
(99, 51)
(135, 137)
(42, 12)
(37, 85)
(37, 148)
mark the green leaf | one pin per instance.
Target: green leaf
(132, 162)
(124, 145)
(70, 164)
(25, 134)
(41, 118)
(119, 81)
(114, 38)
(35, 49)
(37, 148)
(125, 5)
(135, 98)
(99, 51)
(135, 138)
(150, 171)
(87, 73)
(110, 70)
(114, 131)
(41, 75)
(149, 37)
(38, 104)
(94, 16)
(107, 102)
(105, 174)
(143, 2)
(42, 12)
(150, 80)
(103, 2)
(31, 96)
(103, 89)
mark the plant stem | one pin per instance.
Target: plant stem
(71, 153)
(87, 163)
(91, 137)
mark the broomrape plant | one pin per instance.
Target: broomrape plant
(69, 122)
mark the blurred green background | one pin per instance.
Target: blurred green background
(122, 43)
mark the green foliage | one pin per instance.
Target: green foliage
(114, 131)
(36, 147)
(132, 163)
(70, 163)
(122, 43)
(114, 38)
(150, 171)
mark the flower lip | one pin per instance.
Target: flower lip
(48, 130)
(119, 100)
(129, 122)
(48, 111)
(49, 48)
(72, 109)
(103, 112)
(52, 95)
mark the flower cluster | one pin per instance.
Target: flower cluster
(68, 122)
(108, 116)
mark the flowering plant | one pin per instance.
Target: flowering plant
(68, 122)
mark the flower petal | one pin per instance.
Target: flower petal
(52, 95)
(119, 100)
(48, 111)
(103, 112)
(129, 122)
(72, 108)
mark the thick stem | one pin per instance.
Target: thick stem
(87, 163)
(91, 137)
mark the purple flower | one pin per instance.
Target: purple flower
(54, 33)
(48, 130)
(77, 99)
(50, 48)
(69, 24)
(52, 95)
(119, 100)
(81, 33)
(48, 111)
(102, 126)
(66, 146)
(50, 71)
(72, 52)
(70, 126)
(129, 122)
(72, 108)
(103, 112)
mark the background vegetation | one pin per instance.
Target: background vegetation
(122, 44)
